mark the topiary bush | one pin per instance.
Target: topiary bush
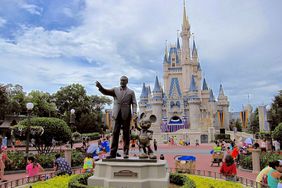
(80, 181)
(54, 128)
(206, 182)
(182, 180)
(91, 136)
(56, 182)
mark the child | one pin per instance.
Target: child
(33, 168)
(89, 164)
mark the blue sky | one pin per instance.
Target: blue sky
(45, 45)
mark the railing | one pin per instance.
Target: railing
(26, 180)
(216, 175)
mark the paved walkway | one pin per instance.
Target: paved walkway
(202, 154)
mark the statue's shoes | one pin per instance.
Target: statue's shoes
(153, 157)
(143, 156)
(110, 157)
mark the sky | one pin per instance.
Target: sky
(45, 45)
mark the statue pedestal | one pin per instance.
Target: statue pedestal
(132, 172)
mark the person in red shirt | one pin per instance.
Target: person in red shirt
(235, 153)
(228, 168)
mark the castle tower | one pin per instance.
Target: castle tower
(194, 105)
(223, 105)
(157, 103)
(185, 54)
(143, 99)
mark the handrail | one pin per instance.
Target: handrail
(27, 180)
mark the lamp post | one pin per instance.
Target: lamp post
(29, 107)
(268, 116)
(72, 120)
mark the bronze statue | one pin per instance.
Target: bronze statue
(124, 99)
(144, 138)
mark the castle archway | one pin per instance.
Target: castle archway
(175, 120)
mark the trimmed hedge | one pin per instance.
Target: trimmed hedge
(206, 182)
(225, 137)
(56, 182)
(182, 180)
(91, 136)
(80, 181)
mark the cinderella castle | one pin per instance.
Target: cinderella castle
(184, 102)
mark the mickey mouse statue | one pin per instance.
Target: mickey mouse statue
(144, 137)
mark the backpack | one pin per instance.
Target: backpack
(264, 179)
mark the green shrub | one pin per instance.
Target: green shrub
(46, 161)
(225, 137)
(277, 133)
(18, 161)
(56, 182)
(206, 182)
(80, 181)
(182, 180)
(265, 158)
(77, 158)
(54, 128)
(91, 136)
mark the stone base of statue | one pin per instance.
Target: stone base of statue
(129, 173)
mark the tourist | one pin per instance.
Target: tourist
(197, 143)
(88, 164)
(61, 166)
(181, 142)
(262, 176)
(227, 152)
(274, 174)
(84, 143)
(276, 145)
(217, 148)
(235, 152)
(263, 146)
(33, 168)
(228, 168)
(162, 157)
(155, 145)
(3, 159)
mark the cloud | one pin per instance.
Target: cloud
(2, 22)
(64, 42)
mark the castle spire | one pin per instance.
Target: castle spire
(157, 87)
(194, 50)
(211, 99)
(221, 92)
(185, 23)
(205, 86)
(144, 93)
(178, 44)
(165, 56)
